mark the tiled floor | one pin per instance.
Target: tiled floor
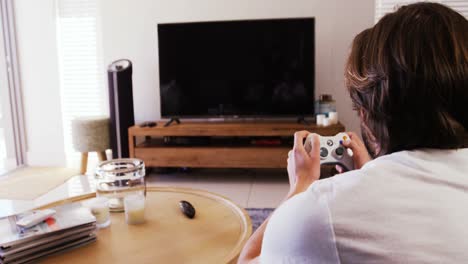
(247, 188)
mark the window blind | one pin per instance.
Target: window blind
(80, 65)
(383, 7)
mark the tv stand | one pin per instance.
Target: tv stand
(172, 120)
(302, 119)
(256, 144)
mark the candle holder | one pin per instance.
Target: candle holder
(118, 178)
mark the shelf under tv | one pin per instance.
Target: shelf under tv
(223, 145)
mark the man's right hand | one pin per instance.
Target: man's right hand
(360, 154)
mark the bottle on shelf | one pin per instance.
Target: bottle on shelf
(325, 104)
(325, 110)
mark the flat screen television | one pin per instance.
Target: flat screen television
(248, 68)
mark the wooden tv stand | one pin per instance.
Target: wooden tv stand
(223, 144)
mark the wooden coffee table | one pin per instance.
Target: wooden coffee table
(216, 234)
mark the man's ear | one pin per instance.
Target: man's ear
(363, 115)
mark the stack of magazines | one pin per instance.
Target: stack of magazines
(71, 227)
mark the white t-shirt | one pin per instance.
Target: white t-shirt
(406, 207)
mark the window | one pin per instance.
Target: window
(7, 151)
(81, 67)
(12, 142)
(383, 7)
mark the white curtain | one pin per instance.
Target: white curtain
(82, 73)
(12, 136)
(383, 7)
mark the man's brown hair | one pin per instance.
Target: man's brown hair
(408, 78)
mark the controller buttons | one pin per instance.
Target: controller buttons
(323, 152)
(339, 151)
(330, 142)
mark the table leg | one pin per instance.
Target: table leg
(102, 155)
(84, 163)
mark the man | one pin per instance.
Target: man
(408, 80)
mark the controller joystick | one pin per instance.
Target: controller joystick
(332, 151)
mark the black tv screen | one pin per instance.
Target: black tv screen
(260, 68)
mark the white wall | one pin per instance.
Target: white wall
(37, 50)
(129, 31)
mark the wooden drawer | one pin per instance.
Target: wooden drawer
(214, 157)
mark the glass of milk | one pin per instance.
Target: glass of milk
(99, 207)
(134, 209)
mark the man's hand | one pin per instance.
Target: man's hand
(360, 154)
(303, 167)
(303, 170)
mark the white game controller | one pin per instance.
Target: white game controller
(332, 151)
